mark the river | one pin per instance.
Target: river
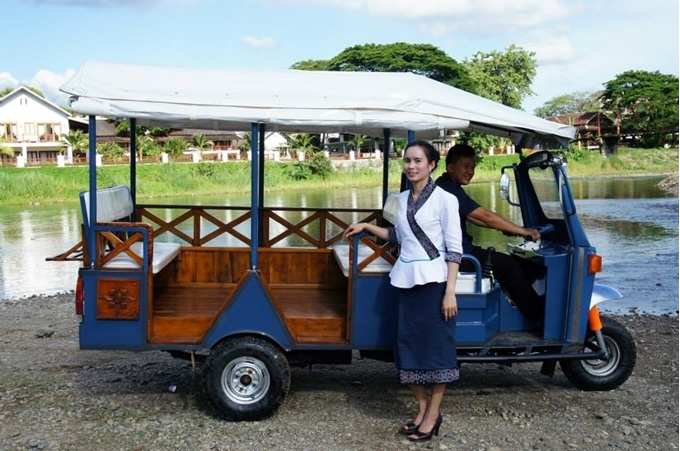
(632, 223)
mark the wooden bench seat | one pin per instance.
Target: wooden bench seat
(120, 243)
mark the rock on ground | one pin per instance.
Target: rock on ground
(54, 396)
(669, 184)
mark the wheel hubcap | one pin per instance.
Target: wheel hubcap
(245, 380)
(606, 366)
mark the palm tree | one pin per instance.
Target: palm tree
(176, 146)
(301, 142)
(200, 142)
(357, 141)
(244, 145)
(76, 140)
(4, 150)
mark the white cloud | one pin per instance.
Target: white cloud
(550, 48)
(7, 81)
(49, 82)
(485, 17)
(259, 42)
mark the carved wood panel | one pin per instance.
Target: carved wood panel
(118, 299)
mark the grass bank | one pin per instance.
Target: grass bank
(52, 184)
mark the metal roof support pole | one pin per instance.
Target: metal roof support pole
(133, 159)
(254, 194)
(405, 184)
(260, 196)
(92, 161)
(386, 163)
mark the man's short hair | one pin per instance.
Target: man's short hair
(459, 151)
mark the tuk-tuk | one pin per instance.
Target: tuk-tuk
(249, 310)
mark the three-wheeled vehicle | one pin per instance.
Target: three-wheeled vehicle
(286, 288)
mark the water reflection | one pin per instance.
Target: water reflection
(633, 225)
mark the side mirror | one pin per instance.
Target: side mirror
(504, 187)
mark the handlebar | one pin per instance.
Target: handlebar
(546, 229)
(543, 231)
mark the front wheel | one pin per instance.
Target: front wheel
(246, 378)
(606, 373)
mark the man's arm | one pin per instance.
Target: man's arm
(486, 218)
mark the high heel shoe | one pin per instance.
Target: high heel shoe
(409, 428)
(419, 436)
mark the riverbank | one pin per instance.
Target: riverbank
(54, 396)
(52, 184)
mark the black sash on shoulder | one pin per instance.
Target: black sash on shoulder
(411, 210)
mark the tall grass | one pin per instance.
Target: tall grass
(20, 185)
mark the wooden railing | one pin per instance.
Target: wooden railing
(281, 226)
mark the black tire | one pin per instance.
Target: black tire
(601, 374)
(246, 378)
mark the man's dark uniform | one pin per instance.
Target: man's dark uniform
(506, 269)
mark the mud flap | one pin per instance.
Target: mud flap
(548, 368)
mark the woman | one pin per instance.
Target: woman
(428, 231)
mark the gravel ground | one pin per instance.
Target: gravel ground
(55, 397)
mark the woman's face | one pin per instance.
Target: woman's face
(416, 166)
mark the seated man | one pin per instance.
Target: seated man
(460, 168)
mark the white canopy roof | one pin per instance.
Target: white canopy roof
(294, 101)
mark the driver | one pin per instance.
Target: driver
(460, 168)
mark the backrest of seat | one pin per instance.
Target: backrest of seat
(391, 207)
(113, 203)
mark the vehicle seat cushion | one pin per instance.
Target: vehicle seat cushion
(163, 253)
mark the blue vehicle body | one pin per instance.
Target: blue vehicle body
(252, 310)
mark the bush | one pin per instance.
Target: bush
(299, 171)
(110, 149)
(176, 146)
(320, 165)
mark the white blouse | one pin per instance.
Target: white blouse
(438, 217)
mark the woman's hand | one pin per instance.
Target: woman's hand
(353, 229)
(449, 306)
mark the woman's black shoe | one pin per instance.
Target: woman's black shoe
(418, 436)
(409, 428)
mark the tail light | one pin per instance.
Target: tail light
(594, 264)
(80, 295)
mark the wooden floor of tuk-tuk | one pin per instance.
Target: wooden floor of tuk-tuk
(184, 314)
(309, 295)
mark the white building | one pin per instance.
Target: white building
(32, 126)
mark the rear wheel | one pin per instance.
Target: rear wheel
(246, 378)
(606, 373)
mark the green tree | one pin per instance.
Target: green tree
(244, 145)
(645, 104)
(357, 142)
(301, 142)
(421, 59)
(311, 65)
(176, 146)
(5, 91)
(123, 129)
(110, 149)
(4, 150)
(76, 140)
(200, 142)
(147, 146)
(577, 102)
(504, 77)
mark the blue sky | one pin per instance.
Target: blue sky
(579, 45)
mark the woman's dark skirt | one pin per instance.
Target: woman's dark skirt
(425, 351)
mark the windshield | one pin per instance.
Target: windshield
(547, 191)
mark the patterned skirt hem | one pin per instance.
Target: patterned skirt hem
(423, 377)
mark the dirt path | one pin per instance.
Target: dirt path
(56, 397)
